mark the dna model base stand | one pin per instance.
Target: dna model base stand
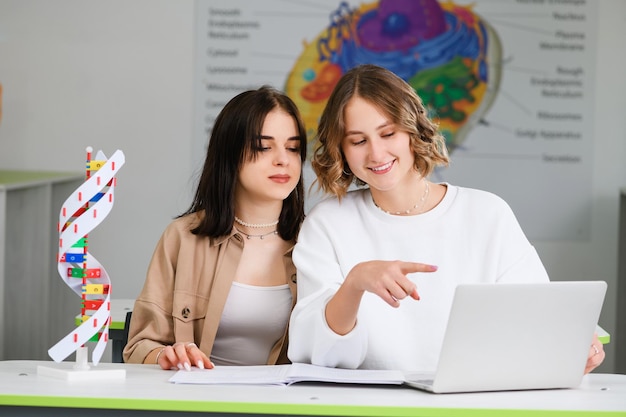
(80, 370)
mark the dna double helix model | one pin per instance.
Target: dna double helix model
(83, 211)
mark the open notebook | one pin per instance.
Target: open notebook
(499, 337)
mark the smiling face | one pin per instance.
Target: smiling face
(275, 172)
(376, 150)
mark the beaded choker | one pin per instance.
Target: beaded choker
(254, 225)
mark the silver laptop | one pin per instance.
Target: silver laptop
(516, 337)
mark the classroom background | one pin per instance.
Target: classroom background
(123, 75)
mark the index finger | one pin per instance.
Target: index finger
(408, 267)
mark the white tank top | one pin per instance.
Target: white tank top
(253, 320)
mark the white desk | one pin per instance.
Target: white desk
(146, 391)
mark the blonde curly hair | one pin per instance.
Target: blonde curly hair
(393, 97)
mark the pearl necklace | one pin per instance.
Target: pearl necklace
(261, 236)
(254, 225)
(420, 204)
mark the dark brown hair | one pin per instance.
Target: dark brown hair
(235, 139)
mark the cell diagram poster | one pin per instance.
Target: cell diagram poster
(509, 82)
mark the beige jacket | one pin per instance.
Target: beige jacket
(186, 287)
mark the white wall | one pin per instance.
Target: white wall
(114, 75)
(597, 259)
(117, 74)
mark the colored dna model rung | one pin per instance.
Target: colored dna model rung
(82, 212)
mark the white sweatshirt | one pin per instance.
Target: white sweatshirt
(472, 236)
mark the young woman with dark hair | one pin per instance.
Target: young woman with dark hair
(221, 283)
